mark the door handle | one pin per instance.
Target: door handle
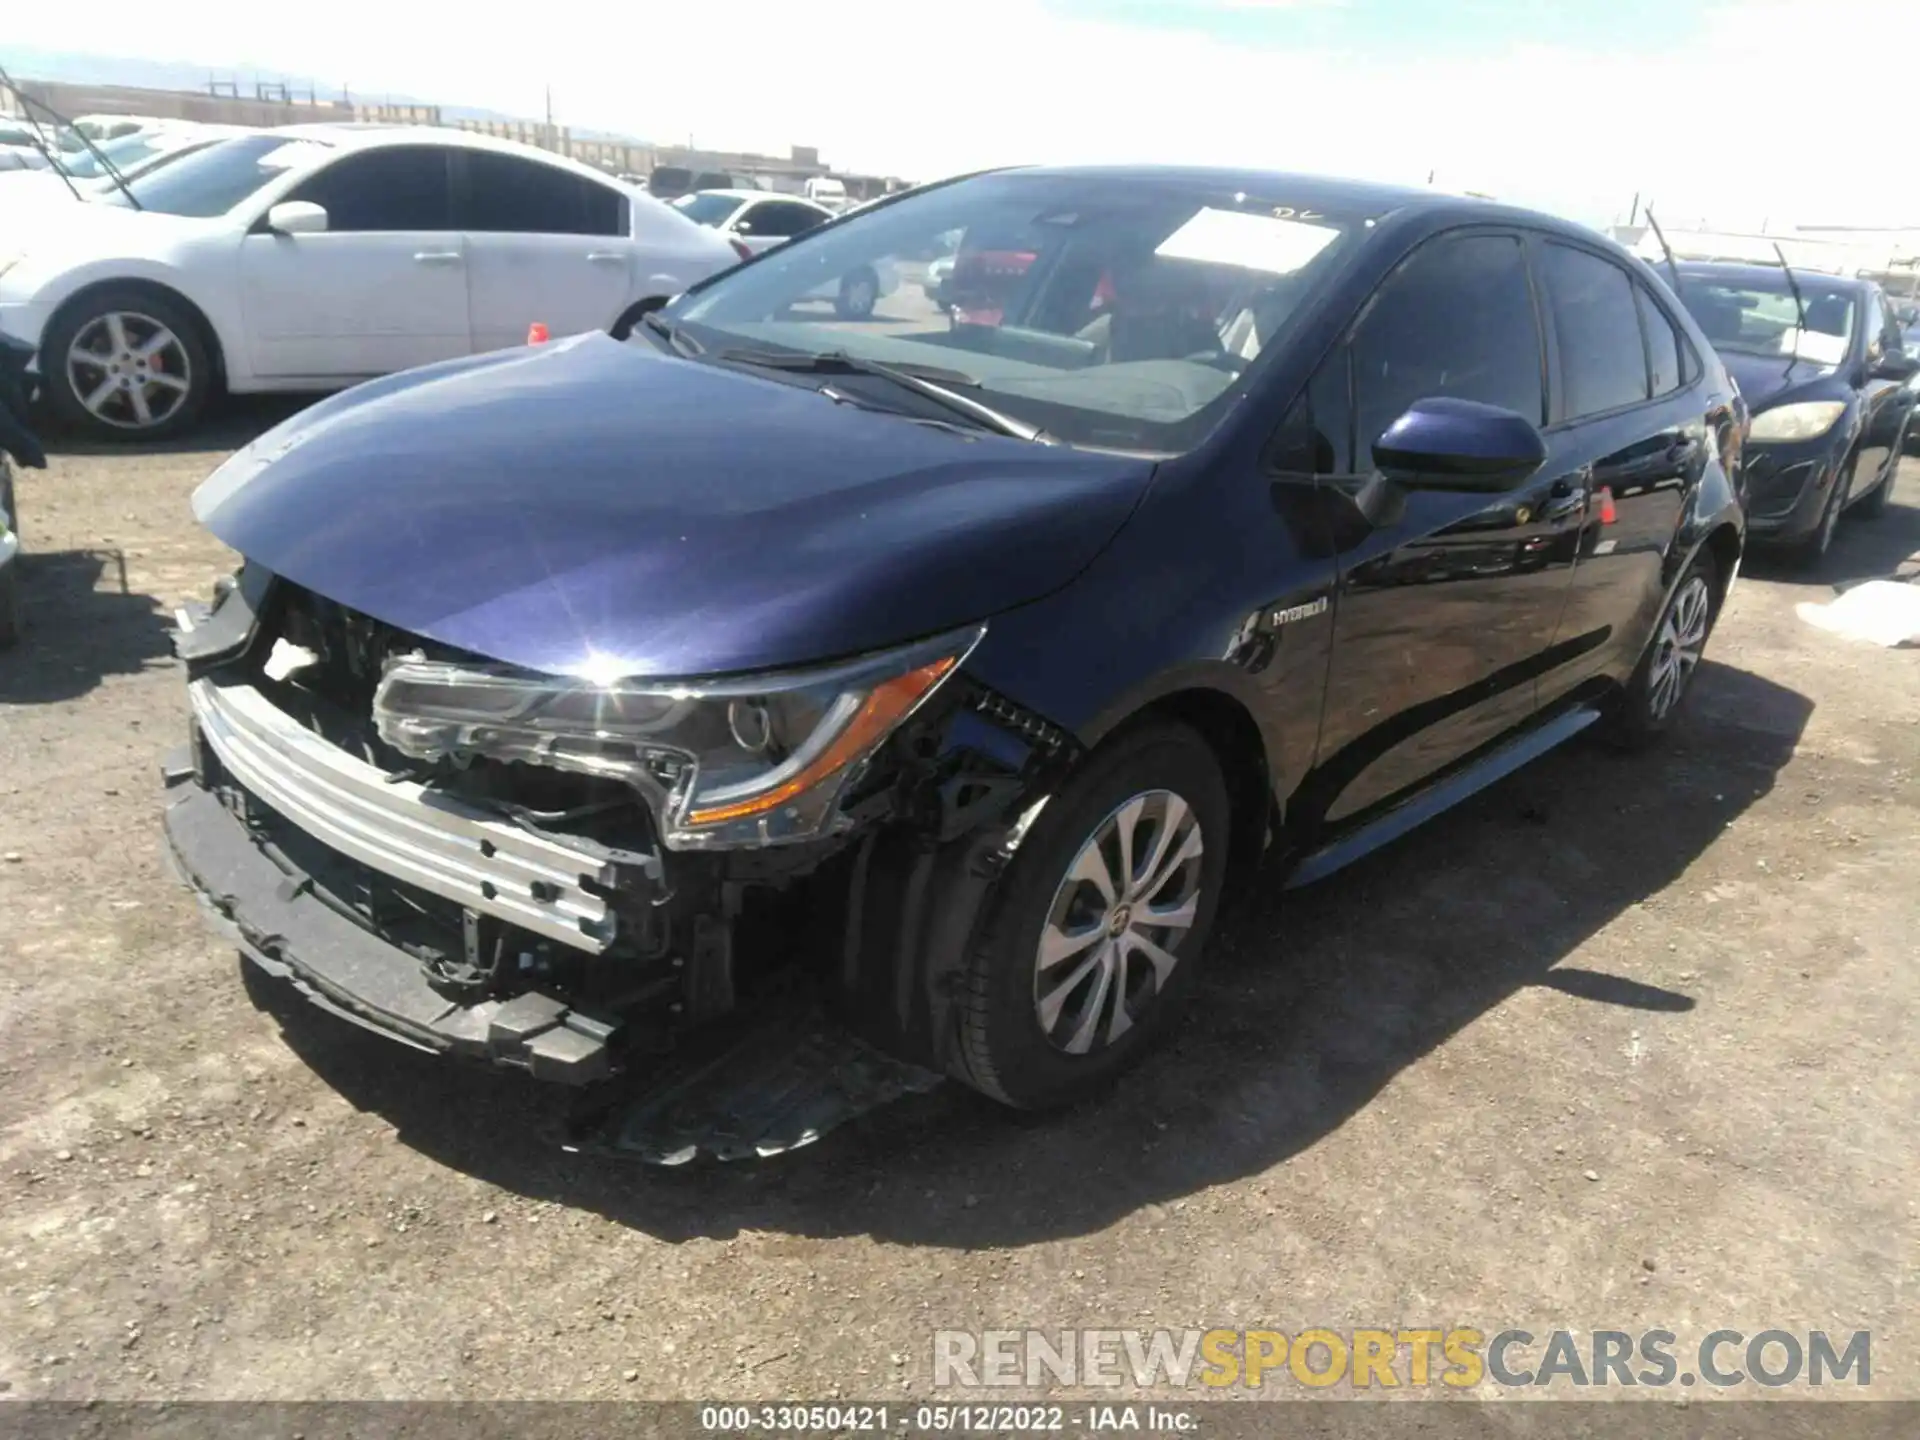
(437, 257)
(606, 257)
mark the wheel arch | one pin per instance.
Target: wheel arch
(1225, 722)
(210, 335)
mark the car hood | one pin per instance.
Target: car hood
(587, 503)
(1767, 380)
(56, 231)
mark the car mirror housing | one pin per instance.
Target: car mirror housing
(1443, 443)
(297, 217)
(1895, 365)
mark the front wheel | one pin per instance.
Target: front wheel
(1096, 934)
(1660, 684)
(126, 363)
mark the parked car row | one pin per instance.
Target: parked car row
(1220, 528)
(313, 256)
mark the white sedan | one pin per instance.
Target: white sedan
(755, 221)
(313, 257)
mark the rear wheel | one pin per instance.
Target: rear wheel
(1097, 930)
(126, 363)
(1664, 676)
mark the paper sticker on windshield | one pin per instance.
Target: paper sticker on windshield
(1812, 345)
(294, 152)
(1253, 242)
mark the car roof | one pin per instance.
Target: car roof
(360, 135)
(1770, 275)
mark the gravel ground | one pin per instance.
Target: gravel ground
(1621, 1043)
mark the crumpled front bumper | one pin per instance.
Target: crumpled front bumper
(281, 926)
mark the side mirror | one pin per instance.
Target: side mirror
(1895, 365)
(297, 217)
(1447, 444)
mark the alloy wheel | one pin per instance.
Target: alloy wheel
(128, 370)
(1107, 949)
(1681, 640)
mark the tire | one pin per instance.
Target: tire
(859, 293)
(1648, 708)
(1161, 780)
(173, 341)
(1812, 549)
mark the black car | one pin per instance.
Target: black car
(17, 446)
(569, 695)
(1827, 394)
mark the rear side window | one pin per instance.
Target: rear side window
(506, 194)
(1666, 352)
(392, 187)
(1602, 363)
(1456, 319)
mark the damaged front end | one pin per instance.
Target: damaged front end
(571, 874)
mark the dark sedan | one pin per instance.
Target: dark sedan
(960, 664)
(1827, 397)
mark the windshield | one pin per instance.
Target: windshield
(1756, 315)
(706, 208)
(214, 180)
(122, 154)
(1115, 312)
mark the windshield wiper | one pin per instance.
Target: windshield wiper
(673, 334)
(29, 103)
(921, 379)
(1799, 300)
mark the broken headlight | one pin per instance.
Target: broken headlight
(747, 760)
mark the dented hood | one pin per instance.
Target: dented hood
(567, 506)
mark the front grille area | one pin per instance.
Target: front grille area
(400, 827)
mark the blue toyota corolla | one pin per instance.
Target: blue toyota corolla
(1215, 529)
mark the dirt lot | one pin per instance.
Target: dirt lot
(1622, 1043)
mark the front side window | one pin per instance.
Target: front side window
(1457, 319)
(388, 188)
(708, 207)
(779, 219)
(506, 194)
(1603, 362)
(1124, 314)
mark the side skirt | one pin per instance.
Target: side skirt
(1444, 795)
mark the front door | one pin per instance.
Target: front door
(1447, 602)
(384, 287)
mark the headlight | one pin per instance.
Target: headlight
(1805, 421)
(753, 760)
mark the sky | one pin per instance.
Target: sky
(1734, 111)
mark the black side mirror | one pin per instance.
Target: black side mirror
(1894, 365)
(1444, 443)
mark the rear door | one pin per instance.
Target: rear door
(1631, 419)
(383, 288)
(543, 245)
(1447, 602)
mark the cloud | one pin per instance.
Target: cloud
(1740, 114)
